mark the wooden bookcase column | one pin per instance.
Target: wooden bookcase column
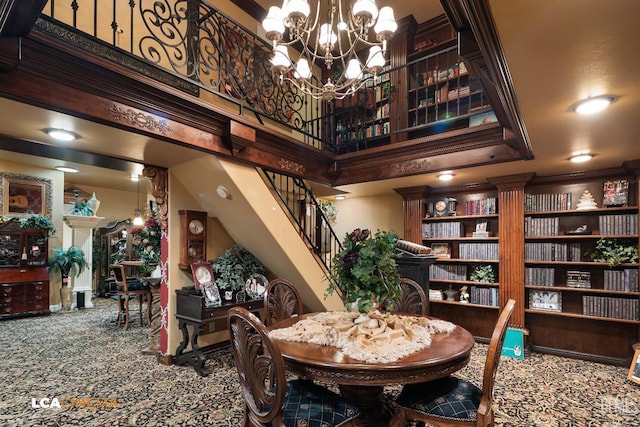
(511, 193)
(412, 207)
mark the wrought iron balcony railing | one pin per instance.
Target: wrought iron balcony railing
(194, 41)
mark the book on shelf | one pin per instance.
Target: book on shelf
(435, 295)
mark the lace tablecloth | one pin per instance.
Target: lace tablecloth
(374, 338)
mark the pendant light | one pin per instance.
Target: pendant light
(137, 219)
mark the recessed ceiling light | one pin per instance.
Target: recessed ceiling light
(593, 105)
(340, 197)
(222, 192)
(61, 134)
(581, 158)
(446, 176)
(66, 169)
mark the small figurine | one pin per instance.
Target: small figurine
(464, 295)
(586, 201)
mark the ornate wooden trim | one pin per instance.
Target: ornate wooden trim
(160, 189)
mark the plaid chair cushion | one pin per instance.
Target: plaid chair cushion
(310, 405)
(448, 397)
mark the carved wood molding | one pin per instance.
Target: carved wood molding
(160, 189)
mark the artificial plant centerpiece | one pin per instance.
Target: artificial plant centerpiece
(364, 273)
(147, 240)
(40, 222)
(234, 267)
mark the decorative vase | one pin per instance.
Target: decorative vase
(94, 203)
(65, 297)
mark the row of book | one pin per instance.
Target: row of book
(549, 226)
(452, 229)
(539, 276)
(621, 280)
(611, 307)
(482, 251)
(488, 206)
(618, 224)
(547, 202)
(483, 296)
(435, 295)
(447, 272)
(547, 251)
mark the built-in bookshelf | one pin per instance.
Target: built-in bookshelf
(463, 242)
(571, 299)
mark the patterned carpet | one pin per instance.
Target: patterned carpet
(79, 355)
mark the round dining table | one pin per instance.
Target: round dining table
(363, 383)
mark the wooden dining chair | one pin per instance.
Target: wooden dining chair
(452, 401)
(271, 400)
(126, 289)
(281, 301)
(413, 299)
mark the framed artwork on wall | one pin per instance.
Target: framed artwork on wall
(24, 195)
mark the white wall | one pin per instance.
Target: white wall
(374, 212)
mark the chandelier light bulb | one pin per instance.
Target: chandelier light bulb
(365, 11)
(302, 69)
(375, 61)
(273, 24)
(386, 25)
(354, 71)
(327, 38)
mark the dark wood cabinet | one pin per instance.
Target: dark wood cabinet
(24, 275)
(115, 244)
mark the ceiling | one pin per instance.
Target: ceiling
(557, 52)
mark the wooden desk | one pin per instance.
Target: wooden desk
(190, 310)
(363, 383)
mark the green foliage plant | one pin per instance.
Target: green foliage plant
(234, 267)
(364, 272)
(65, 260)
(483, 273)
(40, 222)
(81, 208)
(615, 251)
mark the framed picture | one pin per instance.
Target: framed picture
(615, 193)
(24, 195)
(211, 295)
(440, 250)
(481, 225)
(482, 118)
(202, 274)
(545, 300)
(634, 369)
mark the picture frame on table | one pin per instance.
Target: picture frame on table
(211, 295)
(23, 195)
(545, 300)
(634, 369)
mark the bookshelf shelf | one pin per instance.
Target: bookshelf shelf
(581, 316)
(458, 303)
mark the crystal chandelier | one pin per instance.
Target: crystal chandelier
(319, 43)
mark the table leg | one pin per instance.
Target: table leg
(375, 412)
(195, 357)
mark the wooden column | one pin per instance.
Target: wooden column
(413, 211)
(511, 247)
(633, 166)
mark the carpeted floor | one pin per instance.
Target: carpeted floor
(82, 354)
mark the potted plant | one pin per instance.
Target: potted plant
(364, 273)
(615, 251)
(63, 261)
(234, 267)
(483, 273)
